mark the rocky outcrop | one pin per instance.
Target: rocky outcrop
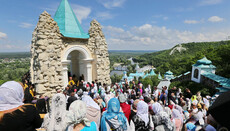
(98, 46)
(46, 66)
(178, 48)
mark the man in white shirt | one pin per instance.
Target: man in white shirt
(155, 93)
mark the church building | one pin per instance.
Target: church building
(61, 48)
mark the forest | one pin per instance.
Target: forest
(13, 69)
(14, 65)
(178, 63)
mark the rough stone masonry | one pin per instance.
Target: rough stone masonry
(47, 45)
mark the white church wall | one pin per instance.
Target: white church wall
(197, 80)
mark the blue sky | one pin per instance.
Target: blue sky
(127, 24)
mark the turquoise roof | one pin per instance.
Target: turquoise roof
(169, 73)
(68, 23)
(205, 66)
(222, 89)
(204, 61)
(152, 73)
(222, 80)
(125, 75)
(146, 75)
(187, 73)
(159, 76)
(226, 84)
(137, 74)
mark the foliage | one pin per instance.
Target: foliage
(14, 55)
(194, 87)
(120, 56)
(152, 80)
(14, 69)
(116, 78)
(178, 63)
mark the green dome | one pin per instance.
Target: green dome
(152, 73)
(169, 73)
(204, 61)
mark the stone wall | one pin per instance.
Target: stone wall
(47, 45)
(98, 46)
(46, 66)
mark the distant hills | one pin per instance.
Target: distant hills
(217, 52)
(146, 51)
(15, 55)
(129, 53)
(178, 62)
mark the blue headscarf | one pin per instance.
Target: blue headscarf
(113, 110)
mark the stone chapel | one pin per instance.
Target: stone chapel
(59, 45)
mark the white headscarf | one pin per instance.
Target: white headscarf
(90, 102)
(77, 113)
(11, 95)
(176, 114)
(108, 97)
(157, 108)
(142, 111)
(122, 98)
(206, 102)
(179, 108)
(199, 117)
(56, 119)
(168, 111)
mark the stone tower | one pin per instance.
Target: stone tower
(98, 47)
(60, 47)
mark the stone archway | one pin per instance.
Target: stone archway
(85, 62)
(50, 48)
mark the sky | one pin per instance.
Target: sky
(127, 24)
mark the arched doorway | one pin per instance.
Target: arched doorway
(196, 73)
(79, 60)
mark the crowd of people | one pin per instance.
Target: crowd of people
(126, 107)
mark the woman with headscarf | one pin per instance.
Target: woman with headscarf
(14, 115)
(126, 108)
(134, 109)
(168, 111)
(141, 121)
(176, 118)
(56, 119)
(161, 119)
(180, 109)
(93, 110)
(199, 97)
(113, 119)
(77, 120)
(191, 124)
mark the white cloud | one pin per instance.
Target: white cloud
(104, 15)
(9, 47)
(109, 4)
(3, 35)
(215, 19)
(26, 25)
(48, 9)
(81, 12)
(149, 37)
(209, 2)
(191, 22)
(165, 18)
(183, 9)
(161, 17)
